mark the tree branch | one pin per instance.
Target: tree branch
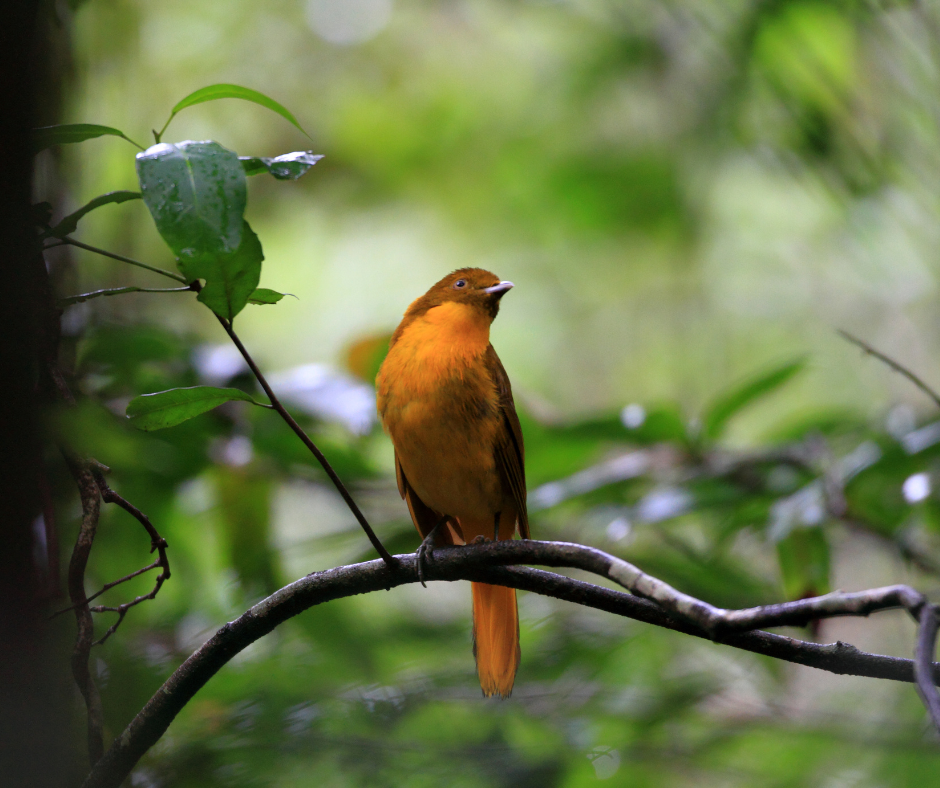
(923, 662)
(489, 563)
(91, 509)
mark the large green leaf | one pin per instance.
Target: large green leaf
(164, 409)
(70, 222)
(47, 136)
(735, 400)
(286, 167)
(196, 193)
(224, 90)
(230, 278)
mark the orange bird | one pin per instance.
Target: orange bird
(445, 401)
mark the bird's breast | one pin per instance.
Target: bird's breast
(440, 407)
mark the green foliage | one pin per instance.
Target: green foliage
(263, 295)
(231, 278)
(222, 91)
(804, 562)
(68, 133)
(70, 223)
(735, 400)
(164, 409)
(196, 193)
(286, 167)
(599, 155)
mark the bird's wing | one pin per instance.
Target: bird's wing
(510, 452)
(422, 515)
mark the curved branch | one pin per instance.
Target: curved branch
(488, 563)
(84, 639)
(923, 661)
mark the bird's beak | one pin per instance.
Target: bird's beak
(499, 289)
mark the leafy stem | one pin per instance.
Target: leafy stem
(299, 432)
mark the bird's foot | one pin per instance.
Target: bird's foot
(480, 540)
(426, 549)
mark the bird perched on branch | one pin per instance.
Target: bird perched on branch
(445, 401)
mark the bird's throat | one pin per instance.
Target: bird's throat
(449, 334)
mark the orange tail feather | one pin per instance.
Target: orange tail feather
(495, 637)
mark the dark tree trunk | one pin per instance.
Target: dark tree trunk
(35, 698)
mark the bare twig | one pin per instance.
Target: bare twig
(157, 543)
(77, 299)
(923, 662)
(129, 260)
(108, 587)
(91, 509)
(489, 563)
(893, 364)
(299, 432)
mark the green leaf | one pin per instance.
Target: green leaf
(804, 563)
(286, 167)
(70, 222)
(196, 193)
(735, 400)
(264, 296)
(47, 136)
(164, 409)
(221, 91)
(230, 279)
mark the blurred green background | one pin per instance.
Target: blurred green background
(691, 197)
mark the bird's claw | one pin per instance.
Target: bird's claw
(424, 554)
(480, 539)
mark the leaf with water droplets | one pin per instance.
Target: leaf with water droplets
(286, 167)
(196, 193)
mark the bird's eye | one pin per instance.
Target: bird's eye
(460, 284)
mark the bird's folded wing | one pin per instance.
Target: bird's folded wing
(422, 515)
(510, 453)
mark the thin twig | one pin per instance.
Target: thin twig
(298, 430)
(78, 299)
(923, 662)
(490, 563)
(893, 364)
(157, 543)
(108, 587)
(121, 258)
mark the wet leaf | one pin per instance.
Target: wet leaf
(286, 167)
(196, 193)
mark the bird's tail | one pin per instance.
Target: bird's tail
(495, 637)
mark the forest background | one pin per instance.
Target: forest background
(691, 198)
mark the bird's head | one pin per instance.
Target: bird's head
(474, 287)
